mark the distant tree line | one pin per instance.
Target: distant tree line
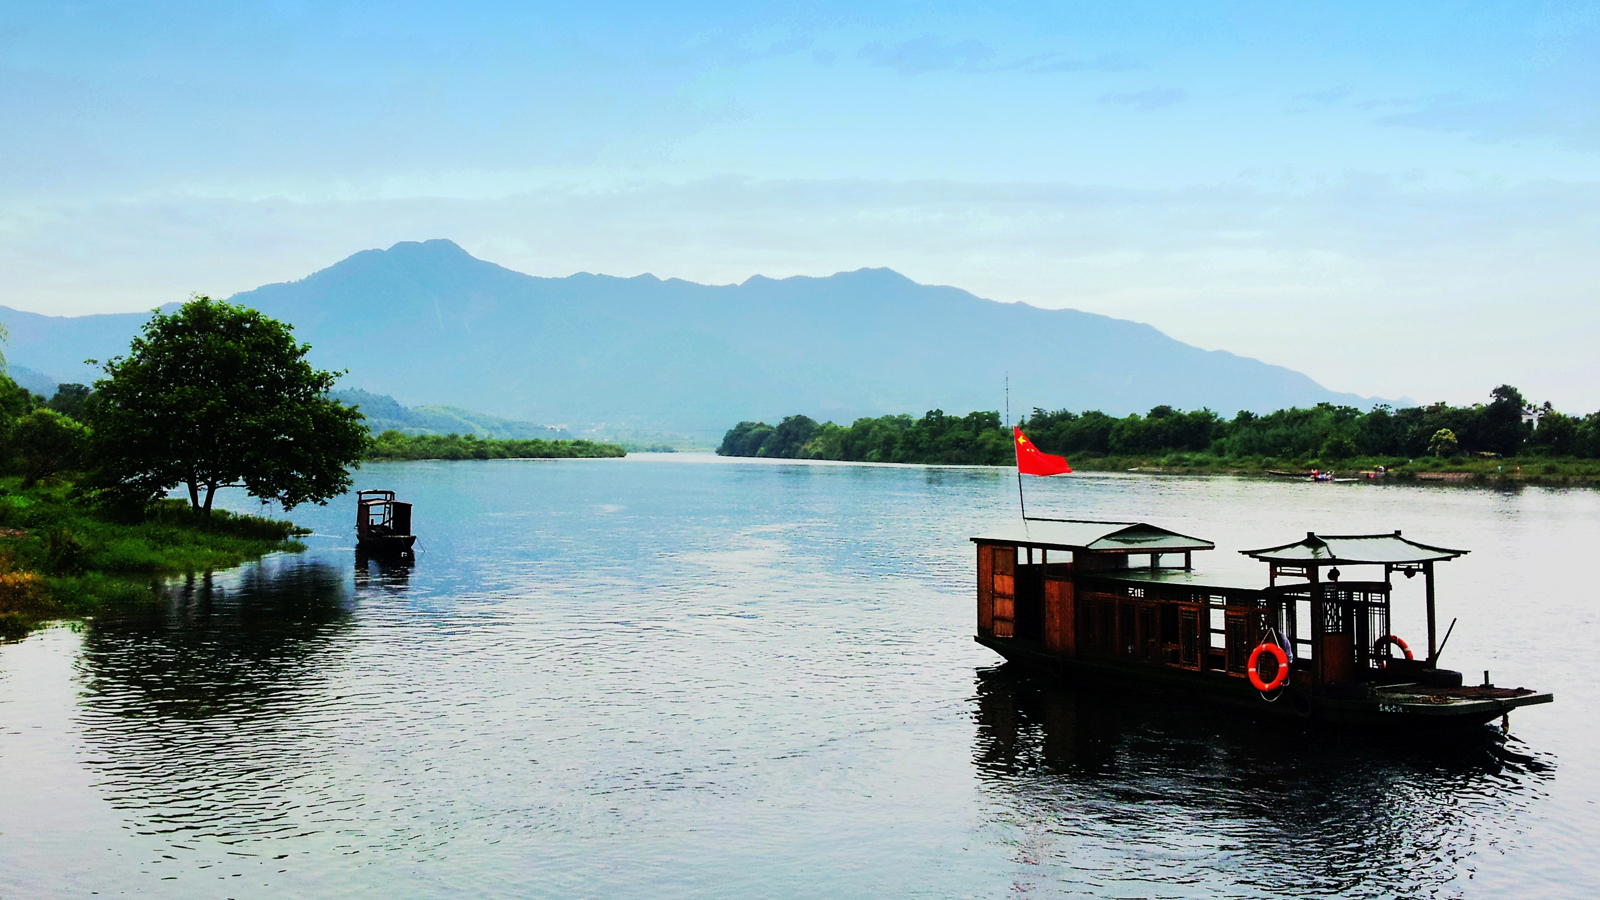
(1506, 426)
(974, 439)
(393, 445)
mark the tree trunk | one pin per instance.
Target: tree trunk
(211, 492)
(194, 496)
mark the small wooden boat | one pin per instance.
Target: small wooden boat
(1066, 596)
(383, 525)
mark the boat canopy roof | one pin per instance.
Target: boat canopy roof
(1224, 581)
(1078, 534)
(1353, 549)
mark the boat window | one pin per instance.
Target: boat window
(1189, 638)
(1302, 626)
(1149, 635)
(1106, 627)
(1239, 644)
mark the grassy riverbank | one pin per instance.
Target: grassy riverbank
(1539, 470)
(394, 445)
(61, 556)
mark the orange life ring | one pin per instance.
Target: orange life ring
(1283, 666)
(1377, 648)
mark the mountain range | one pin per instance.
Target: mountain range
(429, 324)
(385, 413)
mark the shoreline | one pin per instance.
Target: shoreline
(1474, 473)
(61, 558)
(1541, 472)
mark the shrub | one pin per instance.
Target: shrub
(1443, 443)
(48, 442)
(64, 551)
(21, 593)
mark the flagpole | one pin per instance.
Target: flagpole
(1023, 503)
(1020, 501)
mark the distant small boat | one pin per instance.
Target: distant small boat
(383, 524)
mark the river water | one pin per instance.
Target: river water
(679, 676)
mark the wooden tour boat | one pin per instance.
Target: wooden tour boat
(383, 525)
(1120, 600)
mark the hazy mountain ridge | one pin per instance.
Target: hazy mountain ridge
(430, 325)
(384, 413)
(38, 382)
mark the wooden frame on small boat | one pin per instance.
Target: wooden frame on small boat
(1084, 606)
(383, 524)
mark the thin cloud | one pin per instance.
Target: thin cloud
(1055, 62)
(1146, 101)
(1573, 123)
(1325, 97)
(931, 54)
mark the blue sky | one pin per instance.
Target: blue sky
(1395, 201)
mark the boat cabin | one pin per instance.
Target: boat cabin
(383, 524)
(1123, 599)
(1339, 624)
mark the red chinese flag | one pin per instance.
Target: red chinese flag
(1032, 461)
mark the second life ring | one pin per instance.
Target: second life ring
(1283, 666)
(1377, 648)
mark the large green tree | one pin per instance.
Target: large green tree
(217, 395)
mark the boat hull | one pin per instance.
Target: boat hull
(386, 544)
(1356, 705)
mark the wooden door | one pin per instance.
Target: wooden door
(1337, 658)
(1005, 591)
(1060, 618)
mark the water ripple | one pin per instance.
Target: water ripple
(665, 679)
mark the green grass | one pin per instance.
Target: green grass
(61, 556)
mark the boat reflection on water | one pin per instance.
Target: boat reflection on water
(1104, 788)
(384, 571)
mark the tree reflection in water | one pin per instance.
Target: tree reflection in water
(171, 689)
(1110, 792)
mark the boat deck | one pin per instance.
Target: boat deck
(1424, 700)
